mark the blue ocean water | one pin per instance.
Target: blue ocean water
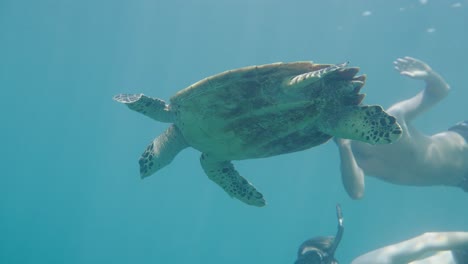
(70, 190)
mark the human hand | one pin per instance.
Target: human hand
(412, 68)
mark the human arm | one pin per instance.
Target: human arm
(436, 88)
(352, 175)
(415, 248)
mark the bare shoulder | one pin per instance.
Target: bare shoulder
(448, 145)
(449, 148)
(449, 139)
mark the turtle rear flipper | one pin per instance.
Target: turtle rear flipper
(370, 124)
(311, 77)
(161, 151)
(225, 175)
(153, 108)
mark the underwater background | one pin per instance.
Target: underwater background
(70, 190)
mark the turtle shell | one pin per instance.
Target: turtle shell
(254, 111)
(244, 82)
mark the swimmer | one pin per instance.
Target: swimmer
(416, 159)
(321, 250)
(431, 247)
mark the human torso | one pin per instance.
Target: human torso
(416, 159)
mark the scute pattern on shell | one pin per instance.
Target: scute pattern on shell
(256, 112)
(266, 75)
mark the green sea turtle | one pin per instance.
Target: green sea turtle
(257, 112)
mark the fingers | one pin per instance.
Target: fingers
(402, 60)
(413, 60)
(405, 62)
(410, 64)
(408, 74)
(403, 66)
(399, 67)
(408, 61)
(400, 64)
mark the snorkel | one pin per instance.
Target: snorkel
(338, 236)
(321, 250)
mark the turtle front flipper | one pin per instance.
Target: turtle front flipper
(153, 108)
(225, 175)
(161, 151)
(370, 124)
